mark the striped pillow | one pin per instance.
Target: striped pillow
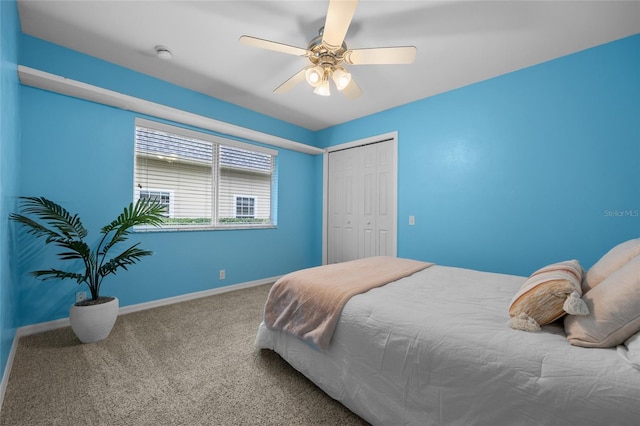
(541, 299)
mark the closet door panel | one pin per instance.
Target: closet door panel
(350, 201)
(334, 245)
(384, 244)
(386, 201)
(334, 209)
(368, 201)
(343, 198)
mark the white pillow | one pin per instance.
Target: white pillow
(614, 307)
(613, 260)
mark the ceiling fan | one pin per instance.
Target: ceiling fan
(327, 53)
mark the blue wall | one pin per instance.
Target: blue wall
(536, 166)
(80, 154)
(9, 160)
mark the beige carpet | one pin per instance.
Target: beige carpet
(191, 363)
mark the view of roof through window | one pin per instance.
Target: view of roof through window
(160, 143)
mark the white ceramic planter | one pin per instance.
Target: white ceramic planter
(93, 323)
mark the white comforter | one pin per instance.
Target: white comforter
(435, 348)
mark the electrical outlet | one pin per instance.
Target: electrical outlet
(222, 274)
(80, 296)
(412, 220)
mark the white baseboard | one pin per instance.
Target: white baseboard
(41, 327)
(7, 369)
(64, 322)
(196, 295)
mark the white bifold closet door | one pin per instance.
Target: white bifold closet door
(362, 202)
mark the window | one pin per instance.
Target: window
(163, 197)
(245, 207)
(198, 177)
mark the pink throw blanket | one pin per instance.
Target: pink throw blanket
(308, 303)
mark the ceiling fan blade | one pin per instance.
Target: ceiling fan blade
(337, 23)
(272, 45)
(381, 55)
(352, 90)
(291, 82)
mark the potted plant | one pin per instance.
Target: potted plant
(91, 319)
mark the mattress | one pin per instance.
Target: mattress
(435, 348)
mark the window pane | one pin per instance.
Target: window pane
(250, 174)
(180, 166)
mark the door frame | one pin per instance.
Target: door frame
(391, 136)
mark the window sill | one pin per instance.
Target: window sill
(203, 228)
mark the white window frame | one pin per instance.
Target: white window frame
(216, 141)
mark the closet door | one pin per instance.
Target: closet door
(361, 202)
(343, 208)
(386, 193)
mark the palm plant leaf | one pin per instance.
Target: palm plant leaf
(130, 256)
(144, 212)
(57, 273)
(37, 229)
(61, 223)
(78, 249)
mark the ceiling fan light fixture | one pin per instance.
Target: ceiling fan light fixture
(323, 88)
(314, 76)
(341, 78)
(328, 50)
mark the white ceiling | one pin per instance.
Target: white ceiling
(458, 43)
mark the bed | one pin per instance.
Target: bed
(436, 348)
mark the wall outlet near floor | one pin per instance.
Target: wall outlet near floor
(80, 296)
(222, 274)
